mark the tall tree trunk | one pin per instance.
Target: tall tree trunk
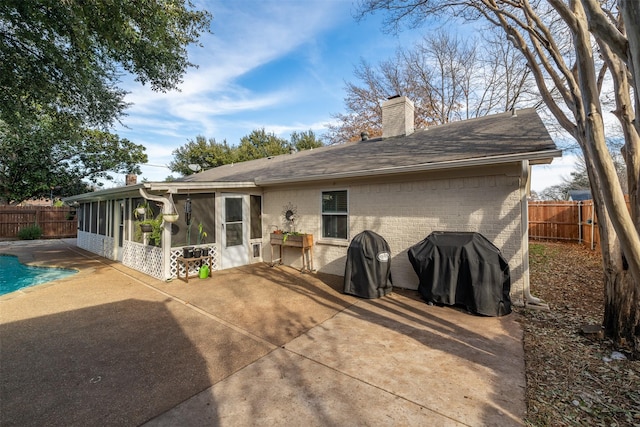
(622, 293)
(622, 311)
(622, 275)
(621, 319)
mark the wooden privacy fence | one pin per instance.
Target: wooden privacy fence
(55, 222)
(573, 221)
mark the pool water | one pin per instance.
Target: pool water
(15, 275)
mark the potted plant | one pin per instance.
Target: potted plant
(291, 238)
(170, 217)
(202, 234)
(142, 210)
(146, 227)
(153, 228)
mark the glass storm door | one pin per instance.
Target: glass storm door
(235, 242)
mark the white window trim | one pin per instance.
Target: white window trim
(332, 240)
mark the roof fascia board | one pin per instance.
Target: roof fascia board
(176, 187)
(170, 187)
(540, 157)
(104, 194)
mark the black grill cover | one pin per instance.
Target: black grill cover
(462, 268)
(368, 270)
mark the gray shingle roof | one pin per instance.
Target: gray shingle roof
(488, 139)
(580, 195)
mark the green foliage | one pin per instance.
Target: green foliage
(53, 156)
(143, 210)
(305, 140)
(258, 144)
(201, 234)
(31, 232)
(540, 255)
(60, 64)
(155, 236)
(66, 57)
(206, 154)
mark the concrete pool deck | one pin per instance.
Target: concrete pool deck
(249, 346)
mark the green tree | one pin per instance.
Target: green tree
(206, 154)
(48, 158)
(305, 140)
(65, 57)
(260, 144)
(60, 65)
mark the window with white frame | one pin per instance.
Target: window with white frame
(335, 214)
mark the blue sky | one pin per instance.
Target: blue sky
(280, 65)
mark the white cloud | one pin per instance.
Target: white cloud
(246, 36)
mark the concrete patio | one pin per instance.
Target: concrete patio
(249, 346)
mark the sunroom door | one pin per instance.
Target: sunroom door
(235, 238)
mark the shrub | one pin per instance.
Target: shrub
(31, 232)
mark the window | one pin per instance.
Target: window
(335, 217)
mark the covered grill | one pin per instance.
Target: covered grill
(462, 268)
(368, 269)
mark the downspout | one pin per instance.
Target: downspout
(525, 181)
(167, 208)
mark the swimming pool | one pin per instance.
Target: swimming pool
(14, 275)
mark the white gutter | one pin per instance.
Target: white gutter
(175, 187)
(104, 194)
(525, 181)
(167, 187)
(167, 208)
(537, 157)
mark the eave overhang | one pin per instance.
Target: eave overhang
(535, 158)
(157, 187)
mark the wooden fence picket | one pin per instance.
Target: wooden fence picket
(573, 221)
(55, 222)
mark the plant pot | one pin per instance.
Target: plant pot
(197, 253)
(187, 252)
(170, 217)
(146, 228)
(141, 211)
(205, 251)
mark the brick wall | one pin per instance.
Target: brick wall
(405, 212)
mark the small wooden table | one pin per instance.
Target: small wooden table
(187, 262)
(302, 241)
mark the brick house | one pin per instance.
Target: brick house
(470, 175)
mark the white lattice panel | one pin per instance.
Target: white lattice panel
(147, 259)
(101, 245)
(83, 240)
(177, 252)
(107, 247)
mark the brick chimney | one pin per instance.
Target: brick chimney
(131, 179)
(397, 116)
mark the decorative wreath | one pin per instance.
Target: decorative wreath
(290, 214)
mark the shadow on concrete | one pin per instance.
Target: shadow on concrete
(458, 366)
(114, 364)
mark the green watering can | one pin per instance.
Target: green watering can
(204, 272)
